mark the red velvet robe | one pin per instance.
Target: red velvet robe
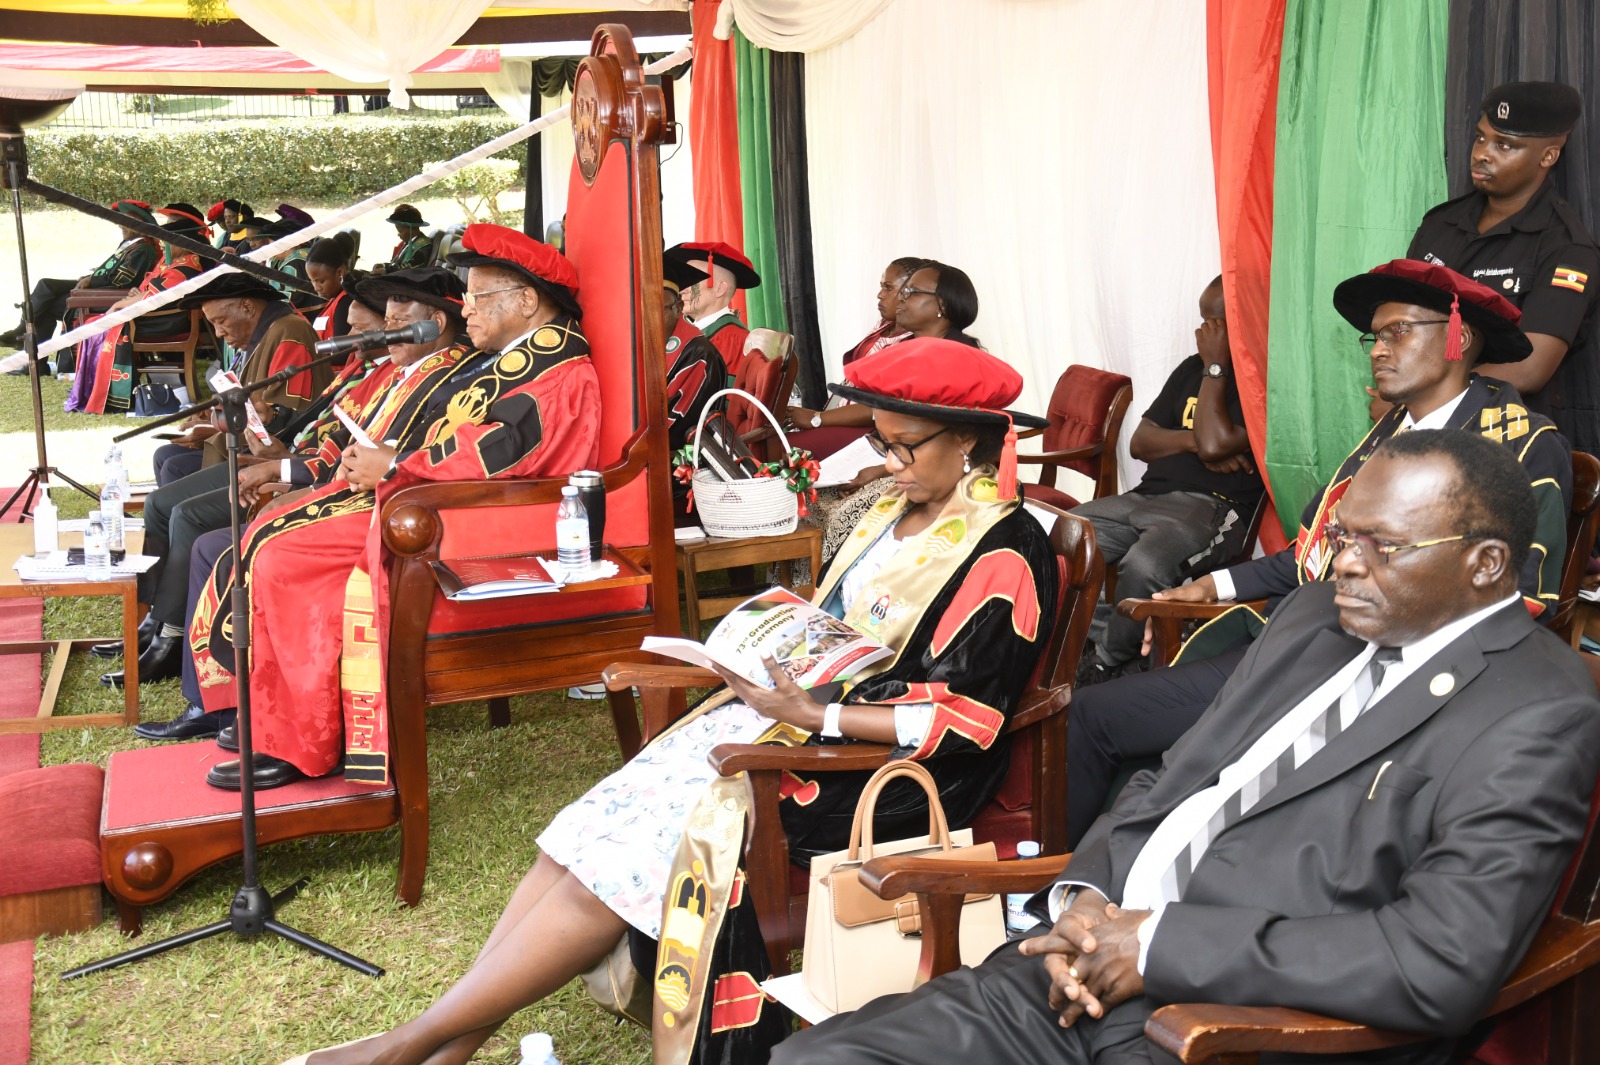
(488, 418)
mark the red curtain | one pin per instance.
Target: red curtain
(1244, 39)
(714, 134)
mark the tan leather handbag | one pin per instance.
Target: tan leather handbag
(859, 946)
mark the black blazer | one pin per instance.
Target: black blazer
(1396, 878)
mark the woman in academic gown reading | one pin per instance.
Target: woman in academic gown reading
(949, 572)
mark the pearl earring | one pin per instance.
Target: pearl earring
(966, 463)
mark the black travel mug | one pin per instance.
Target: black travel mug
(592, 491)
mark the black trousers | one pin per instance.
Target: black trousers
(202, 559)
(49, 300)
(174, 517)
(996, 1014)
(1136, 716)
(173, 462)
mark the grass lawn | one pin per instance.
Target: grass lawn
(260, 1001)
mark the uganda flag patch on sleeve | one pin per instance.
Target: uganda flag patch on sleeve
(1567, 277)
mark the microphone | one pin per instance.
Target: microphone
(415, 333)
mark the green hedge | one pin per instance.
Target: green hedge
(260, 162)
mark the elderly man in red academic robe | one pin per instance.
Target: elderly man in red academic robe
(707, 304)
(524, 404)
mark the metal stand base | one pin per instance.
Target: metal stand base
(250, 915)
(30, 487)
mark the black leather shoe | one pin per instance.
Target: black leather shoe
(162, 660)
(193, 724)
(11, 336)
(269, 772)
(113, 649)
(228, 739)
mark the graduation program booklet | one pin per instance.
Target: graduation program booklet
(466, 579)
(811, 646)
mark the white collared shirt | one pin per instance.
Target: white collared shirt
(1438, 418)
(701, 323)
(1142, 888)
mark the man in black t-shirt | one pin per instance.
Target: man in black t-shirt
(1515, 235)
(1200, 490)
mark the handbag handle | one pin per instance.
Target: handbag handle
(866, 806)
(760, 406)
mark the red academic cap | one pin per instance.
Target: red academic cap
(216, 210)
(491, 245)
(717, 253)
(1443, 290)
(943, 381)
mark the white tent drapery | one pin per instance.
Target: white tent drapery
(1056, 150)
(363, 40)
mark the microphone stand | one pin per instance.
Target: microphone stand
(252, 911)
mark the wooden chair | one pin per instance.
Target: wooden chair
(1037, 729)
(445, 652)
(1086, 413)
(1558, 966)
(1583, 520)
(768, 373)
(175, 353)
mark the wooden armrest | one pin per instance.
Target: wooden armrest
(1201, 1032)
(1071, 454)
(410, 517)
(92, 298)
(731, 758)
(620, 676)
(1144, 609)
(892, 876)
(1030, 433)
(757, 435)
(1038, 704)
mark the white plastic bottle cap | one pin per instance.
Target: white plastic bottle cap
(1028, 849)
(537, 1048)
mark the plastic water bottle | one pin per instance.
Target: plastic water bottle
(111, 513)
(1018, 919)
(539, 1049)
(44, 521)
(572, 531)
(96, 552)
(115, 470)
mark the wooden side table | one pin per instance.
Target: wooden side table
(714, 553)
(16, 541)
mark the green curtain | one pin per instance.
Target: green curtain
(1360, 157)
(764, 304)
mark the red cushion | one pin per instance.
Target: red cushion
(759, 376)
(1521, 1036)
(50, 834)
(167, 783)
(1054, 496)
(599, 246)
(1078, 412)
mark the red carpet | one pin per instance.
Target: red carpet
(20, 619)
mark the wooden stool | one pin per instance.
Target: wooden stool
(716, 553)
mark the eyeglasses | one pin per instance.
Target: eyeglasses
(907, 292)
(1393, 332)
(1337, 539)
(905, 454)
(471, 299)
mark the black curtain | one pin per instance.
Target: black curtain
(1495, 41)
(791, 210)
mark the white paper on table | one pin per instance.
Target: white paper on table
(226, 380)
(81, 524)
(54, 567)
(842, 466)
(349, 423)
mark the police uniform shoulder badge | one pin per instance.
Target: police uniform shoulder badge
(1567, 277)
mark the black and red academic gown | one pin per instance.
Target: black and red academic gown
(530, 411)
(728, 334)
(695, 371)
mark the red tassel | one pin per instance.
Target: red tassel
(1008, 463)
(1452, 335)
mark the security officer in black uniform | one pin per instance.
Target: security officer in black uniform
(1515, 235)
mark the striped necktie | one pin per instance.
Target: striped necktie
(1322, 731)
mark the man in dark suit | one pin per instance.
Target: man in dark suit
(1369, 821)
